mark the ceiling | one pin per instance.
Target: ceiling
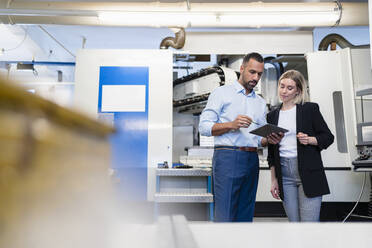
(173, 1)
(61, 42)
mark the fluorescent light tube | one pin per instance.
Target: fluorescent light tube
(220, 19)
(278, 19)
(157, 19)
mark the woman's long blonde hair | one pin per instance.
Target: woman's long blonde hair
(301, 85)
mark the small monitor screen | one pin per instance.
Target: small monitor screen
(367, 133)
(364, 131)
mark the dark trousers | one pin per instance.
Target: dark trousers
(235, 179)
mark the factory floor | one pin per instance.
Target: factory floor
(270, 219)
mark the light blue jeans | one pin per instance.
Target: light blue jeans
(298, 207)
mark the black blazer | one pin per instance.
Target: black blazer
(309, 120)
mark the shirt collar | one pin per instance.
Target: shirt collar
(240, 89)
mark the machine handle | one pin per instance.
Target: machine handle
(339, 122)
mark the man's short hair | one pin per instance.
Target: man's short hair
(255, 56)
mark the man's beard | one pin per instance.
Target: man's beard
(249, 85)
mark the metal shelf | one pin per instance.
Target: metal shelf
(362, 169)
(364, 92)
(367, 162)
(184, 197)
(362, 165)
(184, 172)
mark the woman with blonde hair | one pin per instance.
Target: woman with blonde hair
(297, 172)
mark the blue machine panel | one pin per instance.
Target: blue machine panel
(130, 143)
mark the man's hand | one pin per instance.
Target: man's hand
(275, 138)
(241, 121)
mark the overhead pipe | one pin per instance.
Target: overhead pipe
(86, 13)
(47, 63)
(176, 42)
(339, 40)
(166, 6)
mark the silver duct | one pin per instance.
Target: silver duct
(176, 42)
(339, 40)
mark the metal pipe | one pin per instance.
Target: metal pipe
(339, 40)
(175, 6)
(49, 63)
(86, 13)
(176, 42)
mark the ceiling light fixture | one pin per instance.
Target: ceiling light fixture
(251, 16)
(158, 19)
(190, 14)
(276, 19)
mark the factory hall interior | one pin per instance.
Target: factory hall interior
(185, 123)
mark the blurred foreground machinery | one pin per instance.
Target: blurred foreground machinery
(54, 183)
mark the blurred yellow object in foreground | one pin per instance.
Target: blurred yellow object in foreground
(54, 184)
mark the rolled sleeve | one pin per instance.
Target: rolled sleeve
(210, 114)
(205, 127)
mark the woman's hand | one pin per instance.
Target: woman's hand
(275, 188)
(304, 139)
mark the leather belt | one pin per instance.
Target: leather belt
(237, 148)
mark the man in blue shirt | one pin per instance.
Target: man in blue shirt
(232, 111)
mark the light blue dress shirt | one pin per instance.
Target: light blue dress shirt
(225, 103)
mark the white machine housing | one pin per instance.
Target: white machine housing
(159, 105)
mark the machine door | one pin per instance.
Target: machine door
(331, 86)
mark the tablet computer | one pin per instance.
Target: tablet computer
(268, 129)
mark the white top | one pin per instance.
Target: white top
(288, 145)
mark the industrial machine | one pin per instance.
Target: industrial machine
(190, 93)
(363, 163)
(364, 134)
(334, 78)
(132, 90)
(157, 117)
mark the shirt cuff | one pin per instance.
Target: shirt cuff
(259, 141)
